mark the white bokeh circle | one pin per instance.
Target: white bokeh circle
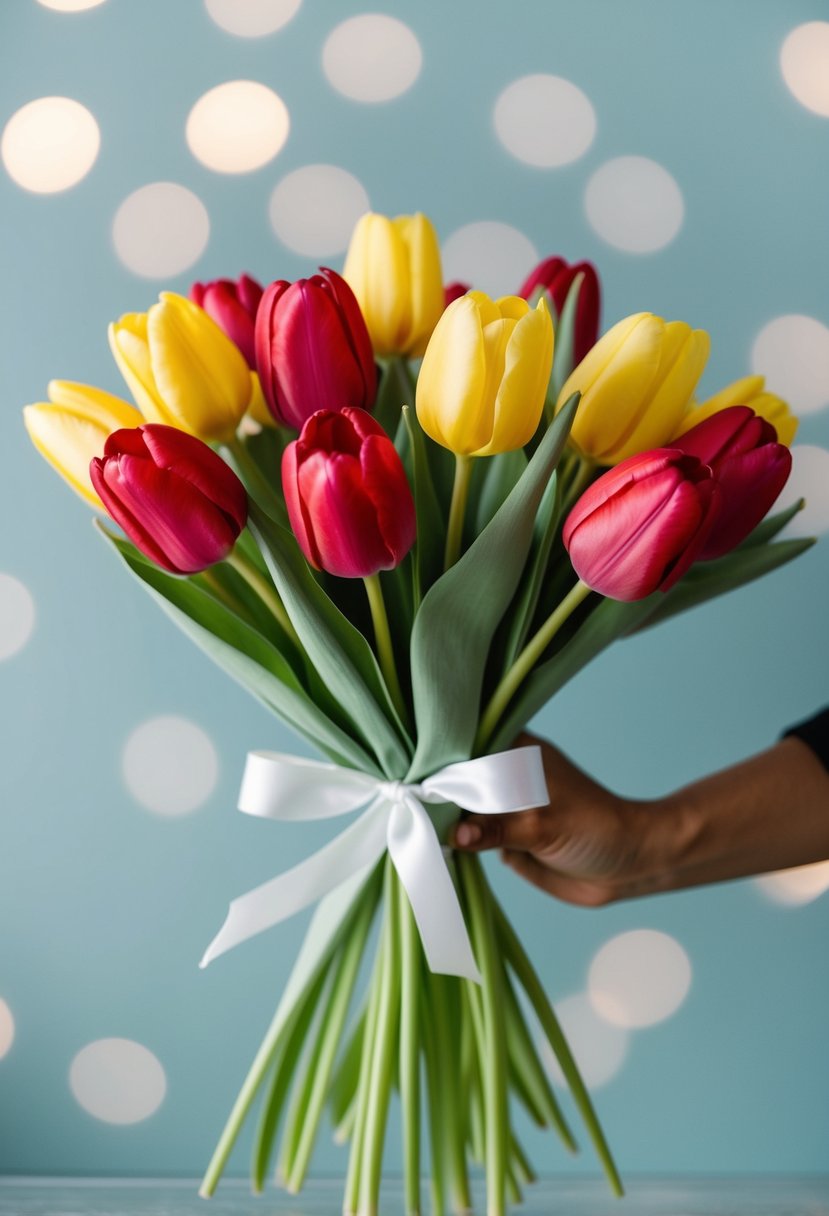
(371, 57)
(490, 256)
(251, 18)
(639, 978)
(117, 1081)
(599, 1048)
(804, 62)
(792, 352)
(170, 765)
(798, 886)
(544, 120)
(17, 615)
(50, 144)
(313, 210)
(809, 479)
(6, 1028)
(237, 126)
(160, 230)
(634, 204)
(70, 6)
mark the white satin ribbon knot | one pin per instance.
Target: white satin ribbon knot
(283, 787)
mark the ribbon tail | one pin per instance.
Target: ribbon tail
(418, 858)
(353, 851)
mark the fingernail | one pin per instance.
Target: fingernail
(466, 834)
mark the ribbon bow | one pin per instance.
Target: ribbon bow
(277, 786)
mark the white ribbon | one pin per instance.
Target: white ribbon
(284, 787)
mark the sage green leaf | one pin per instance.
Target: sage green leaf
(431, 522)
(341, 655)
(526, 603)
(565, 332)
(500, 476)
(458, 618)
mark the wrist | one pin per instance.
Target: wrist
(669, 835)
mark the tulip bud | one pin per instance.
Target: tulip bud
(454, 291)
(175, 498)
(347, 496)
(749, 466)
(556, 277)
(233, 307)
(635, 386)
(312, 349)
(182, 369)
(484, 376)
(751, 391)
(72, 427)
(640, 526)
(393, 268)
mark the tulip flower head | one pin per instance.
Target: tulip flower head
(348, 499)
(393, 268)
(749, 466)
(635, 387)
(639, 527)
(72, 427)
(232, 305)
(182, 368)
(484, 375)
(555, 276)
(751, 391)
(175, 498)
(313, 350)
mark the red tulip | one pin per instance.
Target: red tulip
(348, 499)
(749, 466)
(556, 277)
(454, 291)
(177, 501)
(640, 526)
(233, 307)
(313, 351)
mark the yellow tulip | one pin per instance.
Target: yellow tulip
(484, 375)
(751, 390)
(393, 268)
(635, 386)
(72, 427)
(182, 369)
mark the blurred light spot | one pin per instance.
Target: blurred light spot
(804, 61)
(634, 204)
(544, 120)
(160, 230)
(170, 765)
(252, 18)
(6, 1028)
(792, 352)
(491, 256)
(50, 144)
(639, 978)
(237, 127)
(314, 209)
(798, 886)
(117, 1080)
(599, 1048)
(372, 57)
(17, 615)
(70, 6)
(810, 480)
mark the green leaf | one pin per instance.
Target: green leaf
(457, 619)
(546, 525)
(768, 528)
(244, 654)
(431, 523)
(500, 476)
(341, 655)
(565, 341)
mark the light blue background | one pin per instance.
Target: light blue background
(104, 908)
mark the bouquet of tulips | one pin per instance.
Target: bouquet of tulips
(514, 492)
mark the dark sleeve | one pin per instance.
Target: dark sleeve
(815, 734)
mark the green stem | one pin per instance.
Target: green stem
(526, 660)
(434, 1090)
(586, 469)
(385, 650)
(446, 1033)
(530, 1069)
(266, 592)
(457, 510)
(255, 481)
(410, 1051)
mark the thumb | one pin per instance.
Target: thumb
(522, 830)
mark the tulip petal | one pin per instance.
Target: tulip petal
(376, 269)
(425, 279)
(130, 349)
(452, 380)
(355, 332)
(523, 376)
(297, 512)
(346, 533)
(749, 483)
(221, 302)
(386, 484)
(193, 461)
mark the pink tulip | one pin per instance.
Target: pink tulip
(233, 307)
(640, 526)
(348, 499)
(177, 501)
(556, 277)
(749, 466)
(313, 351)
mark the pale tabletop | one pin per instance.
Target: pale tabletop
(723, 1196)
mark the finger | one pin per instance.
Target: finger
(569, 890)
(520, 830)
